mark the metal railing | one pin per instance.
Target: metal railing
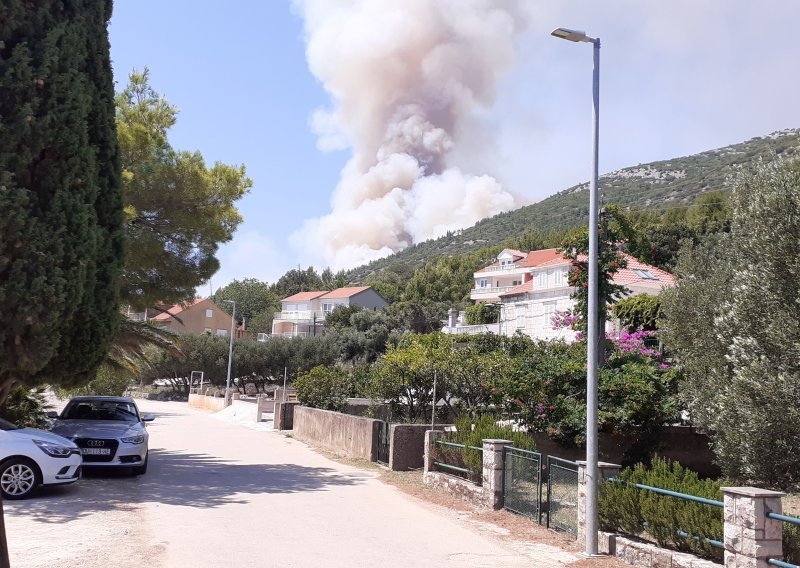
(784, 519)
(500, 268)
(685, 497)
(300, 315)
(466, 472)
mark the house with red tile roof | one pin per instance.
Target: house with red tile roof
(200, 315)
(531, 287)
(304, 313)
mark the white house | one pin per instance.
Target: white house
(304, 313)
(531, 287)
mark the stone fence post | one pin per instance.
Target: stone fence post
(751, 537)
(493, 469)
(430, 442)
(606, 470)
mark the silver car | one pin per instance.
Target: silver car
(109, 431)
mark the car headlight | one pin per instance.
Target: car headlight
(55, 450)
(135, 439)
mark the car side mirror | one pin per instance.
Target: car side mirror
(148, 417)
(51, 414)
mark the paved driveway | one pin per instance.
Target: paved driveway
(220, 494)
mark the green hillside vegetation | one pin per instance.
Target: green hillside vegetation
(658, 186)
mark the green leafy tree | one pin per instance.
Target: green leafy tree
(178, 211)
(756, 330)
(253, 299)
(298, 280)
(324, 387)
(331, 280)
(403, 378)
(448, 280)
(417, 317)
(391, 283)
(61, 222)
(340, 316)
(638, 312)
(483, 313)
(613, 229)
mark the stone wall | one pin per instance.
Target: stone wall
(489, 493)
(639, 553)
(352, 436)
(212, 403)
(407, 445)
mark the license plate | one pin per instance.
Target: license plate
(96, 451)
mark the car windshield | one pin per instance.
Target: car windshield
(100, 410)
(6, 425)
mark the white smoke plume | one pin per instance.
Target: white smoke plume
(405, 78)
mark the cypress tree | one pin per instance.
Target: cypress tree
(60, 206)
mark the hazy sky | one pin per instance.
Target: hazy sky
(677, 78)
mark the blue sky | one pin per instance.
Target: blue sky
(676, 78)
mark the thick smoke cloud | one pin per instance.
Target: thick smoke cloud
(405, 78)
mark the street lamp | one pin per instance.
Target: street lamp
(230, 354)
(592, 325)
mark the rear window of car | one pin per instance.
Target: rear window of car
(101, 410)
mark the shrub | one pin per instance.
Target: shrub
(625, 508)
(472, 433)
(791, 543)
(324, 387)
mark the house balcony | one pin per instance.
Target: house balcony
(505, 268)
(289, 334)
(489, 293)
(301, 316)
(473, 329)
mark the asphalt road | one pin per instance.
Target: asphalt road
(219, 494)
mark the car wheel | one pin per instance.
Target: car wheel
(18, 478)
(141, 469)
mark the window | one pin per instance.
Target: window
(209, 313)
(542, 280)
(516, 283)
(646, 274)
(520, 320)
(222, 332)
(483, 283)
(558, 278)
(549, 310)
(327, 308)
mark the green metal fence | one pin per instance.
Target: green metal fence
(784, 519)
(453, 458)
(522, 482)
(562, 495)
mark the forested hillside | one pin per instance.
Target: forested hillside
(663, 185)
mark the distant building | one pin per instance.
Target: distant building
(531, 287)
(198, 316)
(304, 313)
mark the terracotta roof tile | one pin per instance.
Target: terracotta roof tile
(542, 257)
(176, 309)
(345, 292)
(305, 296)
(521, 289)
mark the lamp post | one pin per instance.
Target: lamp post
(592, 324)
(230, 354)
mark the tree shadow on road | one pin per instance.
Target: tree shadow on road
(175, 478)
